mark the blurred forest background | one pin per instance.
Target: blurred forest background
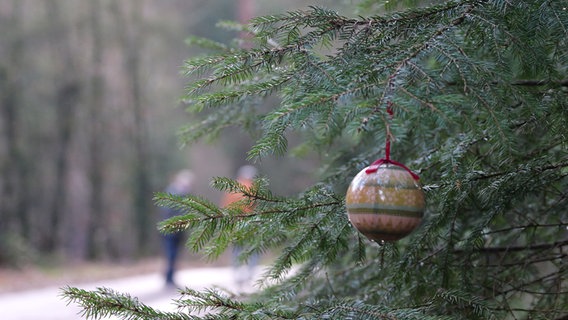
(89, 110)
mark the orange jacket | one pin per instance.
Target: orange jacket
(229, 198)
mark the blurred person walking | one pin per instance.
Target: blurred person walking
(244, 272)
(180, 185)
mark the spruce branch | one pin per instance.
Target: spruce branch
(481, 176)
(220, 98)
(520, 287)
(431, 12)
(528, 247)
(219, 305)
(527, 226)
(207, 300)
(465, 300)
(413, 52)
(362, 311)
(210, 212)
(472, 112)
(103, 302)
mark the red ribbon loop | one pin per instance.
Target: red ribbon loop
(386, 160)
(375, 166)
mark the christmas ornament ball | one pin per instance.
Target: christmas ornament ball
(385, 205)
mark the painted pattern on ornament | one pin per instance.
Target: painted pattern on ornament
(385, 205)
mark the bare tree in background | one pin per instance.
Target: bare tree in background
(13, 212)
(67, 100)
(131, 41)
(96, 238)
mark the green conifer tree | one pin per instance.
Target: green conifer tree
(479, 95)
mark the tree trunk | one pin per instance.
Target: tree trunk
(67, 99)
(96, 238)
(131, 41)
(13, 207)
(142, 191)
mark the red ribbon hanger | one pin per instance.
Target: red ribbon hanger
(386, 160)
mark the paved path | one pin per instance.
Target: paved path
(47, 304)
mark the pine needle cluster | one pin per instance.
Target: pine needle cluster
(479, 91)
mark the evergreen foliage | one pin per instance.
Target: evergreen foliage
(479, 90)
